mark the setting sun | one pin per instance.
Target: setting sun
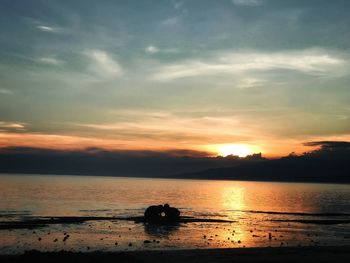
(235, 149)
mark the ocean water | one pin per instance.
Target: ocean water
(289, 213)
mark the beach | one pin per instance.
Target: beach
(100, 214)
(291, 254)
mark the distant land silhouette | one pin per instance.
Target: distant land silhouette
(330, 163)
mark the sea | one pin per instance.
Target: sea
(253, 214)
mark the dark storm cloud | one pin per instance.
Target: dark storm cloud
(94, 151)
(330, 149)
(330, 144)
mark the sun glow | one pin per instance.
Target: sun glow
(235, 149)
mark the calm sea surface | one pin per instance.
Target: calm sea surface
(249, 204)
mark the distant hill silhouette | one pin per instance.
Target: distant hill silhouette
(94, 161)
(330, 163)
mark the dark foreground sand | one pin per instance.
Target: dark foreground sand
(299, 255)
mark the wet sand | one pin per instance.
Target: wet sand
(290, 254)
(36, 222)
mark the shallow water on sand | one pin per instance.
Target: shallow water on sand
(252, 205)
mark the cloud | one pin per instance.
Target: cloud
(153, 127)
(250, 83)
(329, 144)
(93, 151)
(47, 29)
(172, 21)
(329, 148)
(12, 125)
(178, 5)
(152, 49)
(49, 61)
(312, 62)
(247, 2)
(6, 92)
(102, 64)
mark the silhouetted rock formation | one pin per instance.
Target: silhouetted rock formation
(158, 214)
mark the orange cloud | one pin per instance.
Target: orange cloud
(269, 147)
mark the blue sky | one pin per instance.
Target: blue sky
(174, 74)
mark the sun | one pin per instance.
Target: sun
(240, 150)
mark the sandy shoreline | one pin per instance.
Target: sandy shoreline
(286, 254)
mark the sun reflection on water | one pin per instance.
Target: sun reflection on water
(233, 198)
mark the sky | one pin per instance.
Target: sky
(174, 74)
